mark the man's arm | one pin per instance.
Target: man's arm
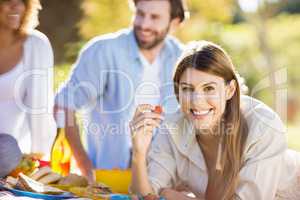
(86, 84)
(73, 137)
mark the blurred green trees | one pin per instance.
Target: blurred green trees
(110, 15)
(225, 23)
(103, 17)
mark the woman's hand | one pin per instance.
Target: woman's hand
(145, 120)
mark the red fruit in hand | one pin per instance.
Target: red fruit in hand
(158, 109)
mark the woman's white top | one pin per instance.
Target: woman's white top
(270, 170)
(26, 97)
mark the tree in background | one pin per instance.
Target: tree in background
(291, 6)
(59, 21)
(207, 19)
(103, 17)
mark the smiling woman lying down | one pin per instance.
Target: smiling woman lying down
(221, 145)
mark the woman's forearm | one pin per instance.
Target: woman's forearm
(171, 194)
(140, 183)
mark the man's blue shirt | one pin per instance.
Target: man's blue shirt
(103, 84)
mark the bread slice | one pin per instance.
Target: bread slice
(34, 186)
(11, 181)
(50, 178)
(74, 180)
(40, 173)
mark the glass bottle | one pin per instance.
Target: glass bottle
(61, 153)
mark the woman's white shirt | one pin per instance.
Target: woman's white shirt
(268, 171)
(26, 97)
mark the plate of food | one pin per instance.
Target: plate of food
(25, 186)
(16, 192)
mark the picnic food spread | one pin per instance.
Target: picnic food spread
(45, 181)
(32, 175)
(27, 165)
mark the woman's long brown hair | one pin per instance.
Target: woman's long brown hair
(211, 58)
(30, 18)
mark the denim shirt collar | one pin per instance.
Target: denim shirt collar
(133, 46)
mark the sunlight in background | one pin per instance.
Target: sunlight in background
(252, 5)
(249, 5)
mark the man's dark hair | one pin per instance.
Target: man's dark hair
(178, 8)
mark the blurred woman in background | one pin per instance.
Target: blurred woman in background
(26, 61)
